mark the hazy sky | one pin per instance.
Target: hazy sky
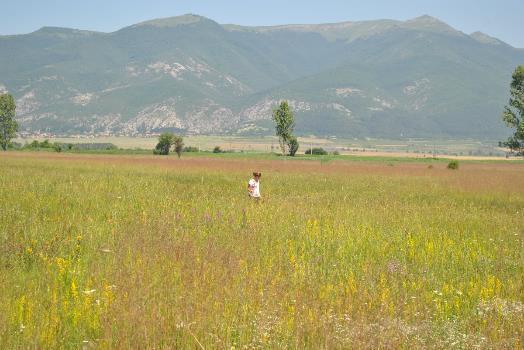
(499, 18)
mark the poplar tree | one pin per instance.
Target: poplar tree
(513, 114)
(8, 124)
(284, 126)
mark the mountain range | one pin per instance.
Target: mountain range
(189, 74)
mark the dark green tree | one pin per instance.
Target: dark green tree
(293, 145)
(8, 124)
(178, 143)
(165, 141)
(513, 114)
(284, 125)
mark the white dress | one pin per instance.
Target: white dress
(255, 187)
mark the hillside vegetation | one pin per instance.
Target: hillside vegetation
(418, 78)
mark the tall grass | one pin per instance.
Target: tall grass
(149, 257)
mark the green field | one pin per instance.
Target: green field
(105, 251)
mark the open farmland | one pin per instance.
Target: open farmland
(412, 148)
(156, 252)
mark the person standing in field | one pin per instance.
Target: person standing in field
(253, 187)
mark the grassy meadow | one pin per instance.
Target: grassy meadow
(102, 251)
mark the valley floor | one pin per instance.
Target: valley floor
(412, 148)
(143, 251)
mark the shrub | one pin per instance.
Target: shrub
(317, 151)
(14, 145)
(90, 146)
(190, 149)
(453, 165)
(217, 149)
(46, 144)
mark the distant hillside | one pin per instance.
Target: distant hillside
(418, 78)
